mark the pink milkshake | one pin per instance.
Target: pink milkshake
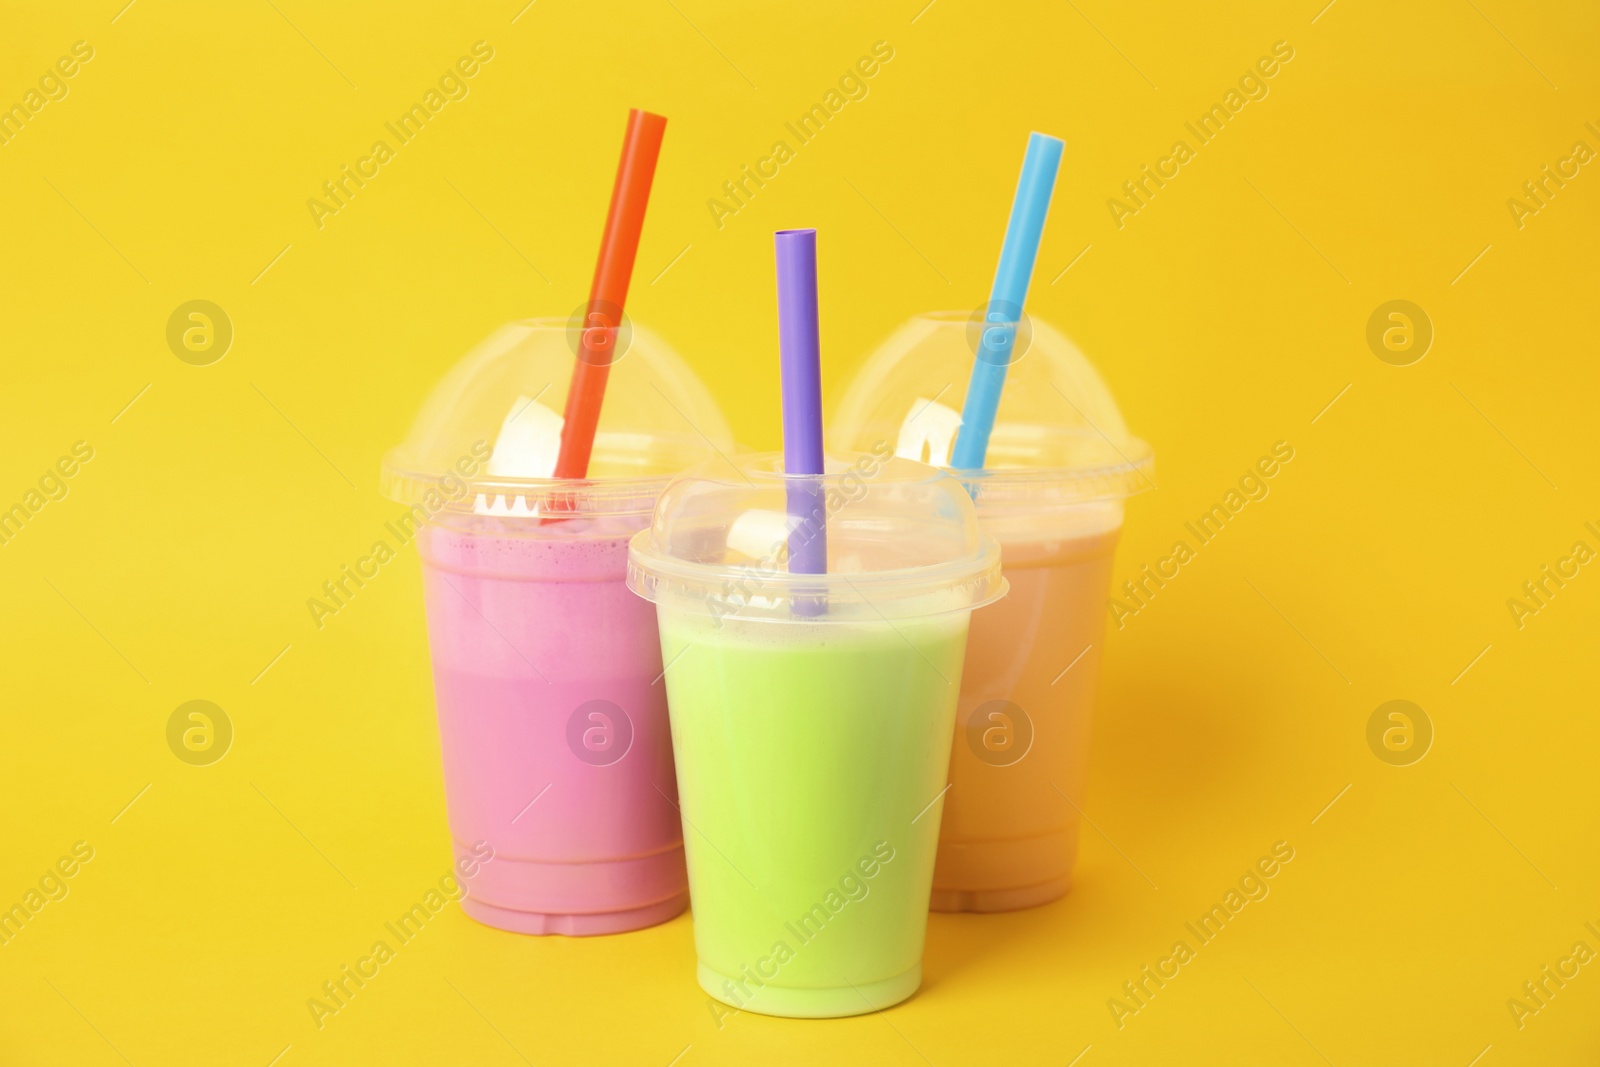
(547, 672)
(536, 642)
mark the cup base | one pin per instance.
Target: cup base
(789, 1002)
(993, 900)
(574, 925)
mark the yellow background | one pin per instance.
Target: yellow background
(1226, 316)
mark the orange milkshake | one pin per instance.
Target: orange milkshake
(1059, 464)
(1018, 767)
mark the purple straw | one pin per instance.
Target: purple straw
(800, 360)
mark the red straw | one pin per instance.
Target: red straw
(630, 195)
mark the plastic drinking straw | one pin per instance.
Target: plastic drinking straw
(1017, 254)
(609, 291)
(800, 364)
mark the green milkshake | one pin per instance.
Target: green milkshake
(809, 756)
(812, 716)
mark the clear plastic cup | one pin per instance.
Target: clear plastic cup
(1060, 463)
(552, 719)
(811, 717)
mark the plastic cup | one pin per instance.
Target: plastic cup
(811, 719)
(1060, 463)
(552, 718)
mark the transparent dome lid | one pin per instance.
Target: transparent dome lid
(1058, 435)
(900, 540)
(487, 437)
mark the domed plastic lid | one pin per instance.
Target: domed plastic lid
(1058, 436)
(900, 539)
(486, 439)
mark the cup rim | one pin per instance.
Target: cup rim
(891, 595)
(767, 589)
(1092, 482)
(520, 497)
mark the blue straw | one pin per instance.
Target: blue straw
(1010, 291)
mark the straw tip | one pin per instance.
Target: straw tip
(802, 243)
